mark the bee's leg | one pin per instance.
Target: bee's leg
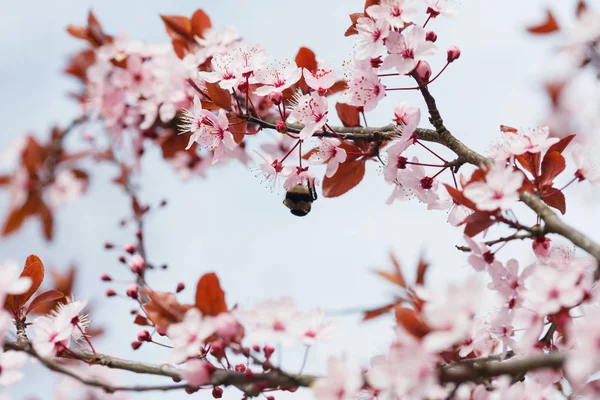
(313, 191)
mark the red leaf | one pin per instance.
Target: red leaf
(552, 165)
(337, 87)
(218, 95)
(348, 175)
(369, 3)
(200, 22)
(562, 144)
(5, 179)
(34, 269)
(178, 27)
(42, 299)
(352, 28)
(459, 197)
(164, 309)
(18, 215)
(506, 128)
(349, 115)
(376, 312)
(143, 321)
(210, 298)
(138, 209)
(548, 26)
(477, 222)
(412, 322)
(554, 198)
(306, 59)
(421, 270)
(180, 47)
(531, 162)
(45, 215)
(554, 89)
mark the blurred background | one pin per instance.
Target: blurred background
(228, 222)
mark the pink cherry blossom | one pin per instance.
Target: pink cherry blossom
(371, 34)
(551, 290)
(479, 340)
(197, 372)
(70, 313)
(272, 169)
(320, 80)
(66, 188)
(312, 326)
(271, 320)
(498, 191)
(309, 110)
(136, 263)
(189, 335)
(585, 169)
(276, 77)
(443, 7)
(364, 86)
(481, 256)
(534, 142)
(301, 176)
(585, 334)
(68, 388)
(52, 335)
(10, 280)
(249, 59)
(413, 182)
(397, 13)
(342, 382)
(407, 118)
(216, 137)
(188, 165)
(10, 362)
(395, 160)
(329, 152)
(193, 121)
(507, 280)
(223, 71)
(456, 212)
(407, 49)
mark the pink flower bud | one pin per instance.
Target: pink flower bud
(217, 392)
(162, 331)
(136, 345)
(110, 293)
(281, 127)
(136, 264)
(144, 336)
(163, 203)
(217, 349)
(108, 246)
(423, 71)
(180, 287)
(227, 327)
(105, 278)
(130, 248)
(197, 372)
(256, 348)
(240, 368)
(122, 259)
(139, 234)
(268, 350)
(453, 54)
(276, 98)
(431, 36)
(132, 291)
(541, 247)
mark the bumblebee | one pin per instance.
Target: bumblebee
(299, 198)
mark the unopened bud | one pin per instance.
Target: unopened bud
(217, 392)
(136, 264)
(110, 293)
(122, 259)
(180, 287)
(132, 291)
(276, 98)
(423, 71)
(240, 368)
(268, 350)
(108, 245)
(105, 278)
(453, 54)
(431, 36)
(281, 127)
(541, 247)
(144, 336)
(136, 345)
(139, 234)
(130, 248)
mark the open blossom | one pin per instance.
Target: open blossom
(342, 382)
(276, 77)
(193, 121)
(364, 87)
(498, 191)
(214, 133)
(456, 213)
(224, 71)
(312, 326)
(443, 7)
(551, 289)
(585, 169)
(310, 110)
(321, 79)
(197, 372)
(270, 320)
(10, 280)
(481, 256)
(188, 165)
(71, 314)
(10, 363)
(406, 50)
(479, 340)
(534, 142)
(507, 280)
(407, 118)
(397, 13)
(329, 152)
(584, 359)
(371, 34)
(413, 182)
(52, 335)
(66, 188)
(272, 169)
(301, 176)
(189, 335)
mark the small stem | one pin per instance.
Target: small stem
(87, 340)
(290, 151)
(426, 22)
(304, 359)
(431, 151)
